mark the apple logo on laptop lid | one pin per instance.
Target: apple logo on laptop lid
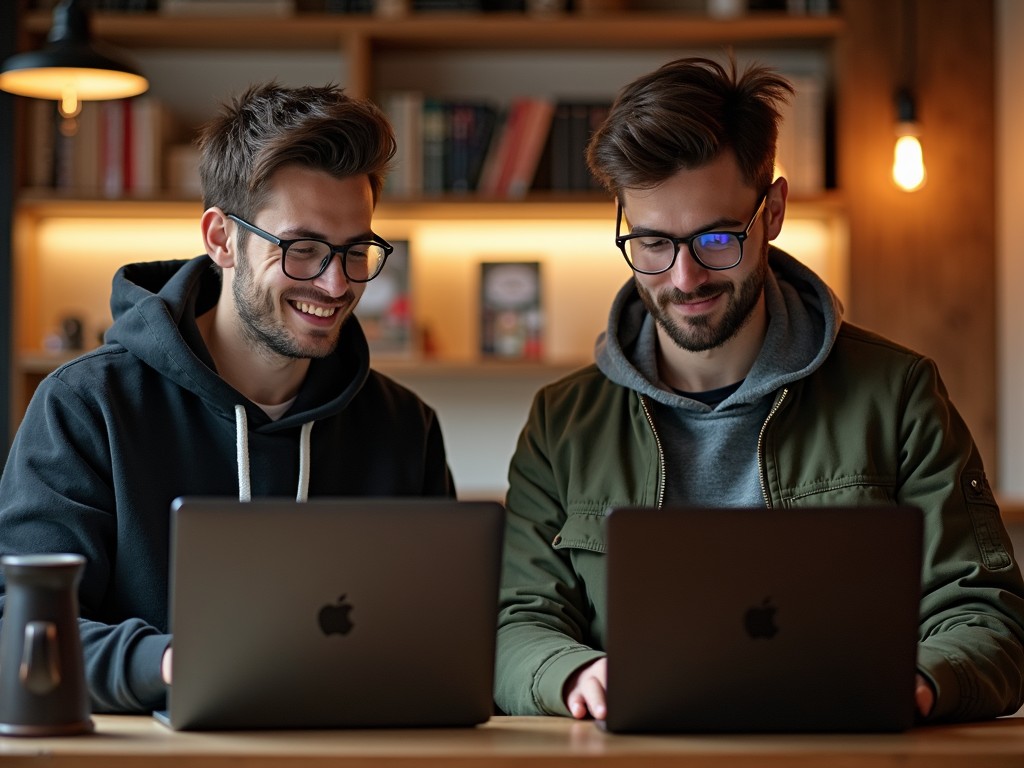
(760, 620)
(334, 618)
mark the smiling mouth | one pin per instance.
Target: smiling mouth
(313, 309)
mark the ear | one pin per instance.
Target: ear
(216, 228)
(775, 207)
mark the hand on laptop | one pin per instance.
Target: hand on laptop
(585, 690)
(924, 696)
(165, 666)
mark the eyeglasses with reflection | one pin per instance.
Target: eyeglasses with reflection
(308, 258)
(652, 253)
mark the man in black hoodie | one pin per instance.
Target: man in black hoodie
(237, 373)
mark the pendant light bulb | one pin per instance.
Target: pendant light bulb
(908, 171)
(69, 104)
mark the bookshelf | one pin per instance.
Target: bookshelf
(860, 216)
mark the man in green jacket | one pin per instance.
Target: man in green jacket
(727, 377)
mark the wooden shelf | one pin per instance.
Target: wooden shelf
(37, 365)
(454, 30)
(39, 204)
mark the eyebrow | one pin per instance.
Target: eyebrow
(296, 233)
(722, 224)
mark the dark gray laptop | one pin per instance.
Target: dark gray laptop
(755, 620)
(334, 613)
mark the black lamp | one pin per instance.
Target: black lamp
(71, 68)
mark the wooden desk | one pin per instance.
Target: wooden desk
(508, 742)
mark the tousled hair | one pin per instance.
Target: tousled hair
(270, 126)
(682, 116)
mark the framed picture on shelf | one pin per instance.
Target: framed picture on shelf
(511, 316)
(385, 311)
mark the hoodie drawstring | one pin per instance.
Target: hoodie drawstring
(242, 453)
(242, 457)
(303, 493)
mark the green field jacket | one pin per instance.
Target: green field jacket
(871, 425)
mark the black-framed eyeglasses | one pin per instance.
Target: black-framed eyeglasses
(307, 258)
(652, 253)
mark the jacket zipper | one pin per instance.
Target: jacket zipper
(760, 447)
(661, 453)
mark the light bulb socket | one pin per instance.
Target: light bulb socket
(905, 109)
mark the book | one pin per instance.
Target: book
(460, 123)
(85, 148)
(534, 130)
(112, 152)
(485, 118)
(511, 318)
(579, 135)
(151, 131)
(385, 309)
(404, 110)
(497, 163)
(433, 141)
(182, 170)
(572, 125)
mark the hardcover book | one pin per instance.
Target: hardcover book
(511, 317)
(385, 311)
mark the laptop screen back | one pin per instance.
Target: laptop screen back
(762, 620)
(333, 612)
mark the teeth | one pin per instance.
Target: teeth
(311, 309)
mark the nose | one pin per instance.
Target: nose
(332, 280)
(687, 273)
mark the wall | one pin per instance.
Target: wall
(1010, 245)
(923, 264)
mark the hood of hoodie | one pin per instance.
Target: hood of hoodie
(804, 316)
(154, 306)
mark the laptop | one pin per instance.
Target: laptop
(755, 620)
(333, 613)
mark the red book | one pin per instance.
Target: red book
(497, 168)
(536, 124)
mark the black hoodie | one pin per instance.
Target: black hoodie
(112, 437)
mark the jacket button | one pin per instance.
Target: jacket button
(557, 540)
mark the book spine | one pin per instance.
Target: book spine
(461, 120)
(484, 119)
(536, 125)
(511, 138)
(433, 146)
(112, 148)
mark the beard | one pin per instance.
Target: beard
(700, 334)
(265, 331)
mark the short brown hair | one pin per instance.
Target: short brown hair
(269, 126)
(682, 115)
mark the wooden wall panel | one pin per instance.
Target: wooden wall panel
(923, 263)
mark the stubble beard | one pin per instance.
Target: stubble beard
(263, 331)
(698, 334)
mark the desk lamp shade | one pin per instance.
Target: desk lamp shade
(71, 68)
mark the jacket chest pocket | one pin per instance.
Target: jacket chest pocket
(582, 541)
(582, 531)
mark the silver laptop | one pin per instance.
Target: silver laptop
(334, 613)
(755, 620)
